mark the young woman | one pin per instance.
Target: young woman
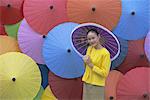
(97, 62)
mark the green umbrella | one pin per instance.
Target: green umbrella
(12, 30)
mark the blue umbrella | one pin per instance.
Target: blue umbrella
(122, 54)
(44, 73)
(134, 22)
(59, 54)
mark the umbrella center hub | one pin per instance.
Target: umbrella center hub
(13, 79)
(68, 50)
(145, 96)
(93, 9)
(8, 5)
(111, 98)
(133, 13)
(44, 36)
(51, 7)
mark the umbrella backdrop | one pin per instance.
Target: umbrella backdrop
(103, 12)
(127, 19)
(30, 42)
(66, 89)
(133, 24)
(43, 15)
(135, 85)
(11, 11)
(12, 30)
(19, 78)
(135, 57)
(111, 84)
(59, 55)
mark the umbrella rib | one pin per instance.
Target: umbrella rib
(110, 49)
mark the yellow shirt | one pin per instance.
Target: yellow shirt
(101, 61)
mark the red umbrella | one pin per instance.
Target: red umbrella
(2, 30)
(135, 57)
(43, 15)
(111, 84)
(135, 85)
(66, 89)
(11, 11)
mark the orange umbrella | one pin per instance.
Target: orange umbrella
(111, 84)
(8, 44)
(104, 12)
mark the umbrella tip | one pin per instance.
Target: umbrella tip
(13, 79)
(51, 7)
(145, 95)
(142, 56)
(44, 36)
(68, 50)
(133, 13)
(8, 5)
(111, 98)
(93, 9)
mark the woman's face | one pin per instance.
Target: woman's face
(93, 39)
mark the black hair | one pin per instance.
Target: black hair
(94, 31)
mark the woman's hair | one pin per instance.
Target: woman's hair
(93, 31)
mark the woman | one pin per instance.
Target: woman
(97, 62)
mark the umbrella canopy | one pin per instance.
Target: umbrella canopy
(20, 77)
(48, 95)
(112, 80)
(12, 30)
(66, 89)
(135, 57)
(135, 85)
(30, 42)
(11, 11)
(108, 39)
(123, 53)
(8, 44)
(103, 12)
(40, 93)
(2, 29)
(147, 46)
(59, 54)
(44, 15)
(133, 24)
(44, 73)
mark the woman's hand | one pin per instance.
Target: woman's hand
(87, 60)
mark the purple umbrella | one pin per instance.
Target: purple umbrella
(30, 42)
(108, 39)
(147, 46)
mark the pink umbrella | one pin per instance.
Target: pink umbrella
(30, 42)
(135, 85)
(43, 15)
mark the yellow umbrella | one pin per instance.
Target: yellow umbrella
(48, 95)
(20, 77)
(8, 44)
